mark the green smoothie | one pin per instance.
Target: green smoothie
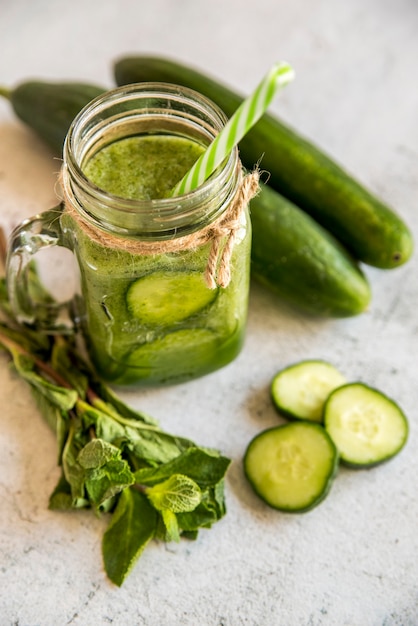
(143, 168)
(151, 319)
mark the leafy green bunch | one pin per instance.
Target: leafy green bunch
(113, 458)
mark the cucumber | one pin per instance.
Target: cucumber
(292, 467)
(166, 298)
(174, 356)
(299, 170)
(301, 262)
(367, 427)
(49, 108)
(299, 391)
(312, 272)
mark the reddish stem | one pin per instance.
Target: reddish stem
(3, 246)
(11, 345)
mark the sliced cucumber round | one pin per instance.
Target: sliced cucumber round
(366, 426)
(164, 298)
(300, 390)
(175, 355)
(291, 467)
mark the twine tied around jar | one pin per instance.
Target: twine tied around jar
(221, 233)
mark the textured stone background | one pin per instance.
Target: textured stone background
(353, 560)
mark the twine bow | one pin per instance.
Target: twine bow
(221, 233)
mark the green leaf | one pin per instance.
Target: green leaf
(218, 495)
(56, 419)
(205, 467)
(171, 525)
(61, 498)
(97, 453)
(73, 472)
(132, 526)
(210, 510)
(62, 360)
(148, 444)
(106, 428)
(180, 484)
(30, 340)
(37, 295)
(4, 298)
(120, 408)
(62, 397)
(192, 535)
(178, 494)
(36, 290)
(154, 447)
(107, 481)
(106, 473)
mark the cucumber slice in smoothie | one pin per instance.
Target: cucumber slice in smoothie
(291, 467)
(366, 426)
(300, 390)
(164, 298)
(176, 355)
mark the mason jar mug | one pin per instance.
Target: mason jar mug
(164, 279)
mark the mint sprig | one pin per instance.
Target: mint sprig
(114, 459)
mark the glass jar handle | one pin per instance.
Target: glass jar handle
(31, 303)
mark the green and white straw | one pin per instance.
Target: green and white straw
(247, 114)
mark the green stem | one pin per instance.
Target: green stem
(6, 93)
(139, 487)
(13, 346)
(99, 404)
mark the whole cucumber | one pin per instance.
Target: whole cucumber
(291, 254)
(302, 262)
(300, 171)
(49, 108)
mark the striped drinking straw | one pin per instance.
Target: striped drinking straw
(247, 114)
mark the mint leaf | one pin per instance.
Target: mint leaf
(178, 494)
(146, 443)
(120, 408)
(205, 467)
(105, 472)
(65, 365)
(154, 447)
(206, 513)
(62, 397)
(4, 299)
(107, 481)
(31, 340)
(56, 419)
(97, 453)
(105, 427)
(61, 499)
(171, 526)
(105, 446)
(73, 472)
(36, 294)
(132, 526)
(36, 290)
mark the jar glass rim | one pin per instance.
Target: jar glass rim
(132, 101)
